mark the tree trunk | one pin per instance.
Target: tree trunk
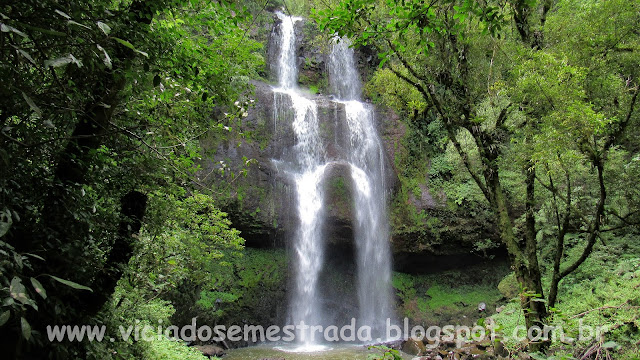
(524, 261)
(134, 205)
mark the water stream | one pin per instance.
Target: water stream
(365, 158)
(307, 173)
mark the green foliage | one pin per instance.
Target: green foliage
(508, 286)
(136, 308)
(104, 98)
(166, 349)
(532, 128)
(448, 297)
(439, 297)
(601, 293)
(183, 236)
(387, 353)
(248, 287)
(384, 88)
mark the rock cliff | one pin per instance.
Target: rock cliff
(261, 203)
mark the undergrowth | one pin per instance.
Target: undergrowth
(602, 294)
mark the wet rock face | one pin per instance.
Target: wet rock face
(262, 204)
(272, 47)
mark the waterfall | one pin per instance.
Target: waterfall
(366, 157)
(307, 165)
(307, 174)
(287, 69)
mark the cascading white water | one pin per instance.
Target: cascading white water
(287, 69)
(366, 157)
(307, 174)
(366, 160)
(343, 76)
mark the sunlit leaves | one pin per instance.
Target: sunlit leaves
(369, 22)
(395, 93)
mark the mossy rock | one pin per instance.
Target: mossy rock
(508, 287)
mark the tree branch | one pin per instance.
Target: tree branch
(467, 164)
(623, 125)
(595, 225)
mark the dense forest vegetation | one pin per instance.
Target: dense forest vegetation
(522, 112)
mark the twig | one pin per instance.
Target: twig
(603, 308)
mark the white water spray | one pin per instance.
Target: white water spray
(365, 157)
(307, 175)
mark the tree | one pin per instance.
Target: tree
(104, 101)
(514, 105)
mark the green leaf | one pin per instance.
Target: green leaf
(107, 59)
(125, 43)
(5, 222)
(4, 317)
(71, 283)
(32, 105)
(39, 289)
(18, 291)
(106, 29)
(7, 28)
(130, 46)
(18, 259)
(538, 356)
(46, 31)
(611, 345)
(26, 55)
(63, 14)
(35, 256)
(63, 61)
(57, 62)
(71, 22)
(26, 328)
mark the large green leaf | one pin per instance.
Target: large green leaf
(27, 56)
(125, 43)
(71, 283)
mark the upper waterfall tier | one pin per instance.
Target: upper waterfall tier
(287, 66)
(343, 74)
